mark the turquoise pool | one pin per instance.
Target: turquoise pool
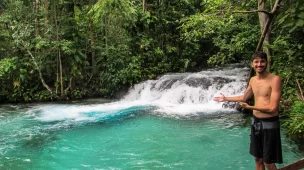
(120, 135)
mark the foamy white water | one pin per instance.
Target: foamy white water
(190, 93)
(58, 112)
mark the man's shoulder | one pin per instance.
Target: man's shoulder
(275, 80)
(275, 77)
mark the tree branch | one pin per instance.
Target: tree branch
(254, 11)
(269, 21)
(300, 94)
(37, 67)
(276, 6)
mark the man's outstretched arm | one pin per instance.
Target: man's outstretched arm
(242, 98)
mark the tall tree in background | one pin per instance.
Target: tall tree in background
(266, 19)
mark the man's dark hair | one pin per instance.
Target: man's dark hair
(259, 54)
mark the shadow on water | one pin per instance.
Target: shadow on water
(102, 116)
(47, 132)
(38, 141)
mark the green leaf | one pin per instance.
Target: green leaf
(301, 15)
(300, 23)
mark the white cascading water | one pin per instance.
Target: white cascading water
(187, 93)
(172, 94)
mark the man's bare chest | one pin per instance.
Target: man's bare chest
(261, 89)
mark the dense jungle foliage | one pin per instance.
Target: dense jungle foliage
(72, 49)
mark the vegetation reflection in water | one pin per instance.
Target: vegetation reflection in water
(134, 137)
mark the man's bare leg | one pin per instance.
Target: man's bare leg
(259, 164)
(271, 166)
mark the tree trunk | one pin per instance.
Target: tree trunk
(264, 18)
(106, 35)
(300, 94)
(46, 13)
(59, 61)
(36, 8)
(265, 23)
(144, 5)
(92, 44)
(60, 72)
(57, 74)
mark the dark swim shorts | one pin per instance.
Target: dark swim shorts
(265, 139)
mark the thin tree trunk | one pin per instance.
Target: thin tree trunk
(265, 22)
(60, 72)
(263, 17)
(59, 61)
(38, 68)
(36, 17)
(92, 44)
(300, 94)
(57, 73)
(46, 13)
(106, 35)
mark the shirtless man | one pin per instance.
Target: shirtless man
(265, 140)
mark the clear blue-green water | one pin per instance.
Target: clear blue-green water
(109, 136)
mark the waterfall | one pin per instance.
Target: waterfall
(191, 92)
